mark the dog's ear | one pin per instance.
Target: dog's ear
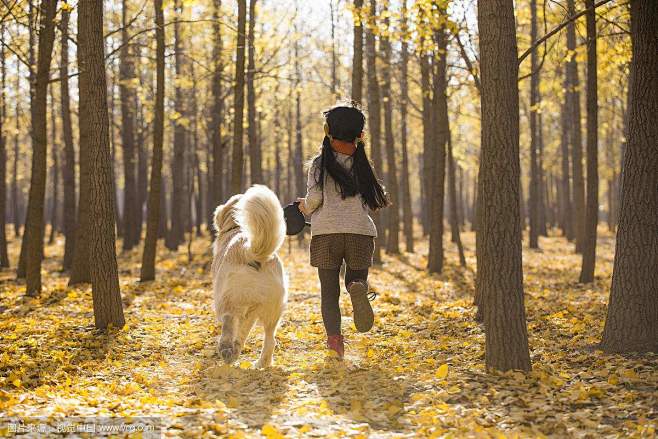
(225, 211)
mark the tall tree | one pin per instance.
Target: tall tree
(155, 189)
(255, 160)
(374, 114)
(238, 100)
(407, 214)
(452, 199)
(216, 187)
(38, 109)
(67, 136)
(178, 181)
(592, 207)
(357, 59)
(566, 218)
(15, 202)
(393, 216)
(54, 170)
(535, 187)
(499, 271)
(573, 101)
(94, 120)
(4, 258)
(437, 157)
(131, 208)
(631, 324)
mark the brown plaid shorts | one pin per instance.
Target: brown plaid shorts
(328, 251)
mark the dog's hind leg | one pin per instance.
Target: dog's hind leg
(244, 329)
(269, 343)
(227, 346)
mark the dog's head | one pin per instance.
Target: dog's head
(225, 215)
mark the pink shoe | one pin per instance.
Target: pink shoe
(335, 343)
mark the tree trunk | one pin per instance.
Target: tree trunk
(534, 189)
(54, 170)
(357, 59)
(216, 188)
(94, 117)
(154, 205)
(35, 215)
(126, 92)
(238, 101)
(374, 120)
(69, 151)
(4, 258)
(15, 203)
(454, 214)
(407, 214)
(632, 321)
(576, 134)
(255, 160)
(425, 181)
(393, 214)
(440, 125)
(566, 218)
(592, 208)
(499, 271)
(178, 183)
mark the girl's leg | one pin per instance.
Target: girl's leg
(352, 275)
(330, 289)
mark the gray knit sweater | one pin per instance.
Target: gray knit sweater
(330, 213)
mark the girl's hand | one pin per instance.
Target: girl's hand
(302, 205)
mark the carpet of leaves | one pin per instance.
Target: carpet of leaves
(419, 372)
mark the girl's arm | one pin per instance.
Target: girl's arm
(313, 198)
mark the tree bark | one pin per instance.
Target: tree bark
(54, 170)
(153, 206)
(126, 92)
(632, 321)
(426, 184)
(69, 151)
(534, 189)
(15, 202)
(576, 134)
(454, 213)
(357, 59)
(440, 125)
(255, 160)
(4, 258)
(566, 218)
(393, 214)
(238, 101)
(38, 110)
(374, 117)
(216, 188)
(94, 116)
(499, 272)
(592, 207)
(407, 214)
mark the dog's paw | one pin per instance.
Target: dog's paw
(263, 364)
(228, 352)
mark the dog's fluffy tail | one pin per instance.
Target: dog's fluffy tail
(260, 217)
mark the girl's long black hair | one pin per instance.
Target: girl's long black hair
(346, 123)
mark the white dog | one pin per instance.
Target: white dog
(248, 277)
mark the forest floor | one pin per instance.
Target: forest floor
(419, 372)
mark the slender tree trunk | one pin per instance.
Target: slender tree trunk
(499, 271)
(69, 151)
(255, 160)
(454, 214)
(357, 59)
(438, 156)
(632, 321)
(374, 119)
(407, 214)
(238, 100)
(126, 92)
(108, 309)
(15, 203)
(35, 214)
(54, 169)
(216, 188)
(299, 147)
(566, 218)
(334, 59)
(4, 258)
(393, 217)
(576, 134)
(427, 117)
(592, 208)
(155, 190)
(534, 189)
